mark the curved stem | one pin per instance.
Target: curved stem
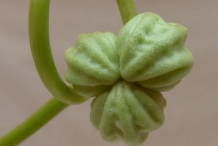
(33, 123)
(42, 55)
(127, 9)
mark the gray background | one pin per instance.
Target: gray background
(192, 110)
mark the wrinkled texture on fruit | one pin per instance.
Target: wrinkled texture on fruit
(122, 73)
(93, 61)
(152, 52)
(127, 112)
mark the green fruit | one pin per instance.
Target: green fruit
(127, 112)
(152, 52)
(93, 61)
(123, 72)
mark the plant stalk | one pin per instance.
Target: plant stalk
(42, 55)
(127, 9)
(33, 123)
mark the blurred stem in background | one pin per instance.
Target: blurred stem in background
(42, 55)
(127, 9)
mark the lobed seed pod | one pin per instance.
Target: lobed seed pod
(127, 112)
(152, 52)
(93, 63)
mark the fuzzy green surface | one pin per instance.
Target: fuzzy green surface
(126, 74)
(93, 61)
(127, 112)
(147, 51)
(152, 52)
(89, 91)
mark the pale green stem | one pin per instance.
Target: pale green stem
(42, 55)
(33, 123)
(127, 9)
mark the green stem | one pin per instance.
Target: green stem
(127, 9)
(42, 55)
(33, 123)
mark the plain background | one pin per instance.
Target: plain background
(192, 110)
